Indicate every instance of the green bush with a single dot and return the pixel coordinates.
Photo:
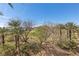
(33, 47)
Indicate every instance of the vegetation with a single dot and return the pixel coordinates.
(21, 38)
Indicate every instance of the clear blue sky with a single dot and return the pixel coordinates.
(40, 13)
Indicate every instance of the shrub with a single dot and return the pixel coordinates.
(68, 44)
(7, 50)
(28, 49)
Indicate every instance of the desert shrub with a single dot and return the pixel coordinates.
(24, 49)
(35, 48)
(68, 44)
(63, 44)
(72, 44)
(28, 49)
(7, 50)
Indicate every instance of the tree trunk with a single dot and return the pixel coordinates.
(60, 34)
(70, 35)
(67, 34)
(17, 45)
(3, 39)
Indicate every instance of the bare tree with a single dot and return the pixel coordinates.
(27, 28)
